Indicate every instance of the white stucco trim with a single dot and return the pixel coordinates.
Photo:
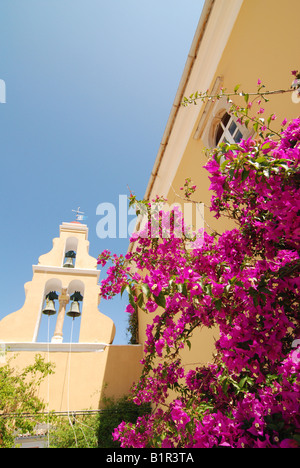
(73, 271)
(55, 347)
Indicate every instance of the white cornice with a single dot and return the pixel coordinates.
(67, 271)
(55, 347)
(73, 226)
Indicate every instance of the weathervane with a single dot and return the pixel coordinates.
(79, 214)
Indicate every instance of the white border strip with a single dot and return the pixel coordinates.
(55, 347)
(73, 271)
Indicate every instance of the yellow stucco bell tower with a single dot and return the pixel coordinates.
(67, 269)
(65, 287)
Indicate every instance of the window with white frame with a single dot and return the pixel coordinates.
(218, 125)
(228, 130)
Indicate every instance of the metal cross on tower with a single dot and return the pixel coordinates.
(79, 214)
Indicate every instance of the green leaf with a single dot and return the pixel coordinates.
(254, 295)
(132, 301)
(265, 290)
(182, 289)
(269, 119)
(218, 304)
(225, 386)
(255, 164)
(245, 174)
(284, 166)
(223, 165)
(160, 300)
(234, 147)
(242, 382)
(140, 300)
(127, 288)
(146, 290)
(123, 289)
(231, 173)
(261, 159)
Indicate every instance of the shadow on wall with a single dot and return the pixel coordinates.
(122, 370)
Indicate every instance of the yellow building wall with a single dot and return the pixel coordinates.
(81, 379)
(123, 369)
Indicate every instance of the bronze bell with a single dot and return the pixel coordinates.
(50, 307)
(69, 259)
(74, 310)
(69, 263)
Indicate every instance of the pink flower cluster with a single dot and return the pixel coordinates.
(246, 282)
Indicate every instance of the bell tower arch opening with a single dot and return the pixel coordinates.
(46, 323)
(70, 252)
(72, 323)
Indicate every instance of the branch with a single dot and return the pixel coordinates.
(194, 97)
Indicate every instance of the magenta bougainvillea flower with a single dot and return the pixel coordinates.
(245, 282)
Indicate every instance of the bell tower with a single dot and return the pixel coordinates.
(64, 295)
(64, 283)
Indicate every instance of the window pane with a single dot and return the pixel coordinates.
(238, 136)
(225, 119)
(219, 134)
(232, 127)
(227, 131)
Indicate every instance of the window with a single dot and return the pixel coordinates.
(227, 130)
(217, 125)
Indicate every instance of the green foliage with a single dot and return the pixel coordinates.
(94, 430)
(132, 328)
(75, 431)
(116, 411)
(18, 395)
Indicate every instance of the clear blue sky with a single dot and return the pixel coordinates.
(89, 88)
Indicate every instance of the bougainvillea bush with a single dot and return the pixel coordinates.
(244, 281)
